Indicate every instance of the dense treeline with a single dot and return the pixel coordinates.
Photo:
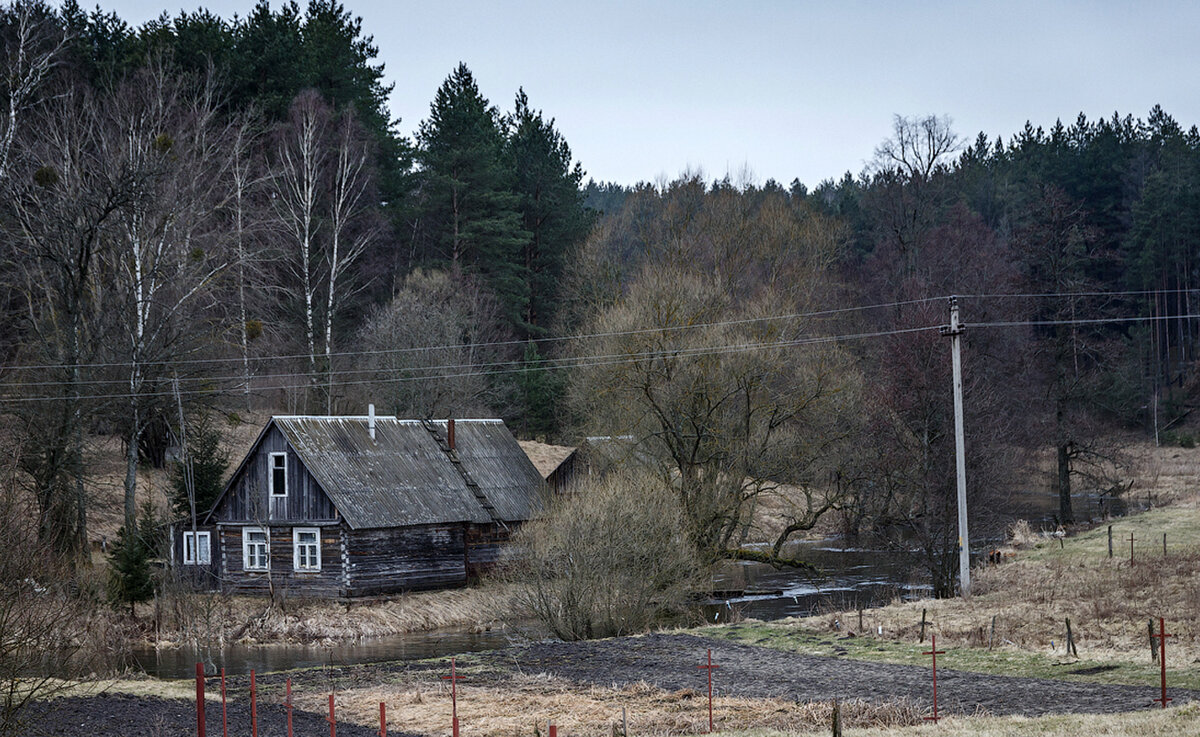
(204, 212)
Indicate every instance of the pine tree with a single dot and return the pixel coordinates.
(208, 464)
(551, 207)
(130, 580)
(469, 211)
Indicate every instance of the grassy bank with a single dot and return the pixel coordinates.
(1153, 723)
(214, 619)
(1015, 623)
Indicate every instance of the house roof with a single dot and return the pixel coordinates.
(405, 476)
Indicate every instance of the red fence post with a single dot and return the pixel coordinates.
(1162, 659)
(199, 699)
(253, 706)
(224, 708)
(454, 678)
(709, 668)
(332, 719)
(288, 707)
(934, 652)
(553, 729)
(382, 720)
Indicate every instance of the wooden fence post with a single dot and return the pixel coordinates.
(200, 700)
(922, 626)
(1110, 552)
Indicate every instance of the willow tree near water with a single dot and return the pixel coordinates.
(703, 353)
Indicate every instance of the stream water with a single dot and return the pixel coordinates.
(850, 577)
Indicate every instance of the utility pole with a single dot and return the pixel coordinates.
(964, 545)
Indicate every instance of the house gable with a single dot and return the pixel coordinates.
(248, 499)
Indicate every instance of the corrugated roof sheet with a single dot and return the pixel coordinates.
(494, 459)
(403, 477)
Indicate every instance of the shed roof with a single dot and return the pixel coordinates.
(404, 477)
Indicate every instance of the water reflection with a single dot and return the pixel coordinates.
(850, 577)
(241, 659)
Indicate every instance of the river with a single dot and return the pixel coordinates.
(851, 577)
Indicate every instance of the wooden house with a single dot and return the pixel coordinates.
(354, 506)
(595, 457)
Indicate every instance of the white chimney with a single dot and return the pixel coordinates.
(371, 420)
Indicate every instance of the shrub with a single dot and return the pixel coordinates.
(608, 559)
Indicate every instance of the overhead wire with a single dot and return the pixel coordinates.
(496, 368)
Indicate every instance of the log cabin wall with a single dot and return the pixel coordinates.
(249, 499)
(281, 576)
(390, 560)
(200, 577)
(486, 544)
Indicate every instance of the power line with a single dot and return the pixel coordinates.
(490, 344)
(553, 365)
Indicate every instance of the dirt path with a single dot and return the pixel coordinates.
(669, 662)
(665, 661)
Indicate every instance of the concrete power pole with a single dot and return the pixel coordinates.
(964, 544)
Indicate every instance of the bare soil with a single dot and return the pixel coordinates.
(667, 662)
(141, 716)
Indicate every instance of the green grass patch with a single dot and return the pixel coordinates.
(998, 661)
(1180, 524)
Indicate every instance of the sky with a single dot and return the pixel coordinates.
(644, 91)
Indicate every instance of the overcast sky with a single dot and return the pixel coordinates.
(781, 90)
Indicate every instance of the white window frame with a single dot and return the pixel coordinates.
(190, 549)
(296, 547)
(247, 544)
(271, 475)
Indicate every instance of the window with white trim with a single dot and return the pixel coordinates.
(255, 555)
(306, 548)
(197, 542)
(277, 474)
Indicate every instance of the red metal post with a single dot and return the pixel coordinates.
(287, 705)
(332, 720)
(224, 708)
(454, 678)
(253, 706)
(709, 668)
(382, 720)
(1162, 659)
(199, 699)
(934, 652)
(553, 729)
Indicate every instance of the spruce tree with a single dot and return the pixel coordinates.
(469, 212)
(551, 206)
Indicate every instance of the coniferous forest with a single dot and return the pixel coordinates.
(203, 215)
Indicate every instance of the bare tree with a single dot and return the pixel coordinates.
(65, 205)
(165, 256)
(350, 229)
(323, 201)
(431, 350)
(907, 174)
(299, 170)
(33, 41)
(612, 558)
(704, 358)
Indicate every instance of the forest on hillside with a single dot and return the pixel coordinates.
(203, 215)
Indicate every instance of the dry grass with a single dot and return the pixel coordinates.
(1108, 600)
(213, 619)
(523, 704)
(1153, 723)
(545, 457)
